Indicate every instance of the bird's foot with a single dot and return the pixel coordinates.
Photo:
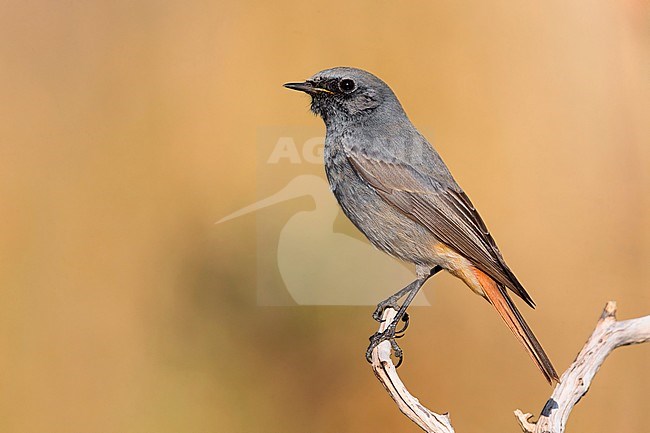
(383, 305)
(390, 334)
(390, 302)
(400, 332)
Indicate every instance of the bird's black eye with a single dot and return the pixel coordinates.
(347, 85)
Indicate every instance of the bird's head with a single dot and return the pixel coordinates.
(343, 95)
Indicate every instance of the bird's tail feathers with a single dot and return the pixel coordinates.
(498, 297)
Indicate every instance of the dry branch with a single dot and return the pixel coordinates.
(574, 383)
(410, 406)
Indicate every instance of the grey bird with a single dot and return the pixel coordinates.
(394, 187)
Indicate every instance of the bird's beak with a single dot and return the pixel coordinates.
(307, 87)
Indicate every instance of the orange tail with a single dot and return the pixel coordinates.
(499, 298)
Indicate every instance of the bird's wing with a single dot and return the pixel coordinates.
(445, 210)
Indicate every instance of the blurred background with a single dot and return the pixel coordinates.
(129, 127)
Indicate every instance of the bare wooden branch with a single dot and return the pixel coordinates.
(524, 421)
(574, 383)
(576, 380)
(410, 406)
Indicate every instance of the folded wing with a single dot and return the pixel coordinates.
(444, 210)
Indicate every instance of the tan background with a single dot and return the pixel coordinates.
(128, 128)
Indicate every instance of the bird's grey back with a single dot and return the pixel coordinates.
(396, 140)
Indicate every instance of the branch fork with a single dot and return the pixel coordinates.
(608, 335)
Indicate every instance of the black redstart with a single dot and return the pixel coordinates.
(392, 184)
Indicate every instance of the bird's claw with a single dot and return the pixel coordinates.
(382, 306)
(388, 335)
(406, 319)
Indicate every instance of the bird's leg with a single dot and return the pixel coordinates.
(390, 333)
(391, 301)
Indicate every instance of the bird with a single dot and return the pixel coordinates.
(395, 188)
